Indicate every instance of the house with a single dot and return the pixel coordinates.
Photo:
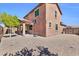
(71, 30)
(43, 20)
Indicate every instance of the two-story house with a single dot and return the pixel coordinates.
(44, 20)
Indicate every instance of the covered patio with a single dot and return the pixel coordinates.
(25, 27)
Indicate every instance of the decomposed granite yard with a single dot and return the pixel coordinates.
(64, 44)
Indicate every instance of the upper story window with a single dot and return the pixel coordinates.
(34, 21)
(37, 12)
(55, 14)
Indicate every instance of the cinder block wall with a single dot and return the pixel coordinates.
(71, 31)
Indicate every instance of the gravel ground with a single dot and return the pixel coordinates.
(64, 44)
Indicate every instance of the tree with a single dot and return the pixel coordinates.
(9, 21)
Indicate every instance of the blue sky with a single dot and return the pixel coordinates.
(70, 11)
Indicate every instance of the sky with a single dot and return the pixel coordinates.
(70, 11)
(70, 14)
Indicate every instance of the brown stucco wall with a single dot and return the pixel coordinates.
(42, 21)
(50, 8)
(39, 28)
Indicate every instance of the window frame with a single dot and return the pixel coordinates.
(49, 24)
(55, 14)
(56, 27)
(34, 21)
(36, 12)
(30, 27)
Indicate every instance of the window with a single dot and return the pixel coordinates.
(55, 14)
(34, 21)
(56, 26)
(49, 24)
(37, 12)
(30, 27)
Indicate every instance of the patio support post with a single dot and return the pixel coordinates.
(23, 29)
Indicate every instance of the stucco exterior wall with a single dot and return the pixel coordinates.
(50, 8)
(46, 15)
(39, 28)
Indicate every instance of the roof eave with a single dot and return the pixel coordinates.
(39, 5)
